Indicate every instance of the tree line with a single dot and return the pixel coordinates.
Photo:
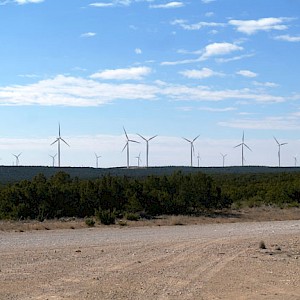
(189, 194)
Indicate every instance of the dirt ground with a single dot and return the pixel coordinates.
(202, 261)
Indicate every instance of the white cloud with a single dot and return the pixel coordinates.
(211, 50)
(217, 49)
(246, 73)
(239, 57)
(207, 1)
(101, 4)
(20, 2)
(88, 34)
(173, 4)
(265, 84)
(135, 73)
(200, 74)
(213, 109)
(288, 38)
(209, 14)
(76, 91)
(269, 123)
(265, 24)
(138, 51)
(197, 26)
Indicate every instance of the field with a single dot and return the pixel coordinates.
(204, 261)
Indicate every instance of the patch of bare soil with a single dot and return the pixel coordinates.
(204, 261)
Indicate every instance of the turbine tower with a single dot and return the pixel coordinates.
(242, 144)
(58, 143)
(295, 160)
(138, 159)
(53, 159)
(97, 159)
(127, 146)
(192, 147)
(279, 146)
(223, 157)
(147, 147)
(17, 158)
(198, 158)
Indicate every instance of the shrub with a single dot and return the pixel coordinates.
(106, 217)
(90, 222)
(132, 217)
(262, 245)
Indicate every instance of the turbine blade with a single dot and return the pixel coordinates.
(276, 140)
(196, 138)
(125, 146)
(133, 141)
(64, 141)
(142, 137)
(187, 140)
(125, 133)
(283, 144)
(248, 147)
(238, 145)
(55, 141)
(152, 137)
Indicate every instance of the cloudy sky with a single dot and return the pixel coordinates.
(214, 68)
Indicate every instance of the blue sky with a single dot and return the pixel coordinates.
(172, 68)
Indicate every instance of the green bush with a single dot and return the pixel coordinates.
(90, 222)
(132, 217)
(106, 217)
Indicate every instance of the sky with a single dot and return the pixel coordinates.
(176, 69)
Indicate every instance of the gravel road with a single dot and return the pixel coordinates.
(211, 261)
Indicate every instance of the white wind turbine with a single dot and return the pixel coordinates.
(243, 144)
(198, 158)
(147, 147)
(192, 147)
(97, 159)
(53, 159)
(223, 158)
(295, 160)
(138, 159)
(127, 146)
(279, 146)
(58, 144)
(17, 158)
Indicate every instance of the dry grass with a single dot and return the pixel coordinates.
(257, 214)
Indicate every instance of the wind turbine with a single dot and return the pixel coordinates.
(127, 146)
(97, 159)
(147, 147)
(58, 144)
(53, 159)
(17, 158)
(279, 146)
(198, 158)
(223, 156)
(138, 159)
(295, 160)
(243, 144)
(192, 147)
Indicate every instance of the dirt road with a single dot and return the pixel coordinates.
(212, 261)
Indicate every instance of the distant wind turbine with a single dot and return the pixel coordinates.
(242, 144)
(127, 146)
(138, 159)
(147, 147)
(17, 158)
(295, 160)
(192, 147)
(223, 157)
(53, 159)
(279, 146)
(58, 143)
(198, 158)
(97, 159)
